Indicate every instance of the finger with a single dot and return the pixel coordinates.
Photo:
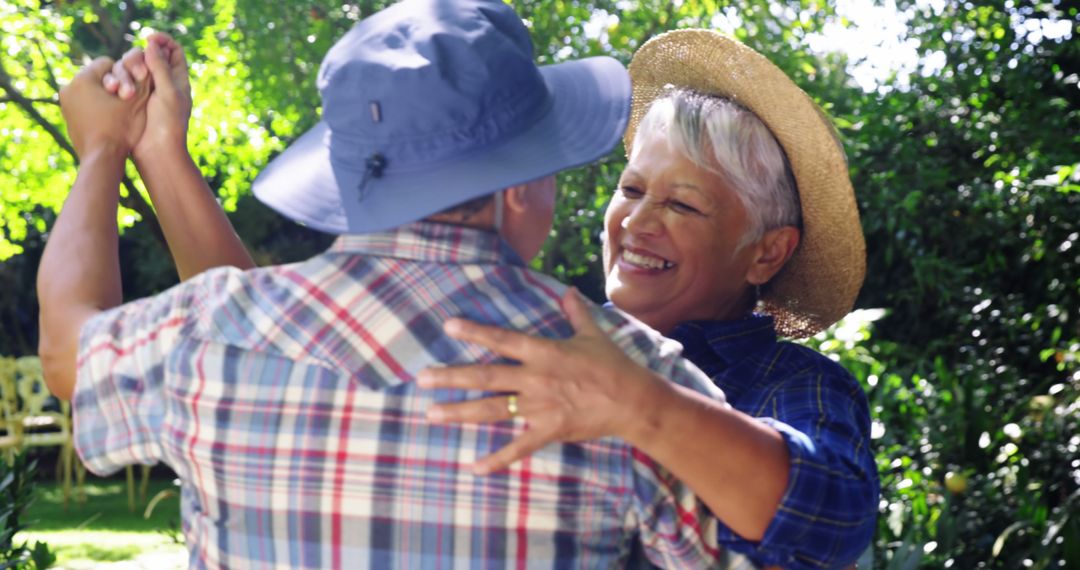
(490, 377)
(125, 83)
(521, 447)
(158, 63)
(577, 310)
(482, 411)
(171, 54)
(135, 63)
(162, 40)
(97, 68)
(503, 342)
(179, 67)
(111, 84)
(177, 59)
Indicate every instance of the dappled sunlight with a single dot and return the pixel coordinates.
(84, 535)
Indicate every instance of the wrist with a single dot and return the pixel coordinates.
(647, 399)
(171, 150)
(105, 152)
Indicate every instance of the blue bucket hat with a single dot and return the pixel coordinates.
(430, 103)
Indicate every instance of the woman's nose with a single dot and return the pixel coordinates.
(643, 219)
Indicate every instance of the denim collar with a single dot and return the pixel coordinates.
(729, 341)
(717, 346)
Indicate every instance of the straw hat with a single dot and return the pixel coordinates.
(818, 285)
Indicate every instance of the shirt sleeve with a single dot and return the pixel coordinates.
(675, 528)
(827, 516)
(118, 403)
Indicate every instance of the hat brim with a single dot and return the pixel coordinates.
(818, 285)
(588, 115)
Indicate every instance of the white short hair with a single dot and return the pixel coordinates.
(725, 138)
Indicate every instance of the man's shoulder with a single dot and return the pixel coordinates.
(633, 335)
(232, 295)
(651, 349)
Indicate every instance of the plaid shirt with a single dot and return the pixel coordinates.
(284, 399)
(828, 514)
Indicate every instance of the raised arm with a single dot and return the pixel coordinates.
(79, 274)
(199, 234)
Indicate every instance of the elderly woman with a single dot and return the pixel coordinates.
(733, 221)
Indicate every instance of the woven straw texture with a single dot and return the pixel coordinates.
(818, 285)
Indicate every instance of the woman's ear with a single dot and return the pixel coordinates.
(772, 251)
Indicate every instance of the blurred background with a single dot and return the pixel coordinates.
(961, 122)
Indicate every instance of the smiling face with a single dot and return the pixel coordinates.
(673, 233)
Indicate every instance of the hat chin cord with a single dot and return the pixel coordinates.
(498, 212)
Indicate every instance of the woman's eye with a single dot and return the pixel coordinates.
(630, 192)
(684, 208)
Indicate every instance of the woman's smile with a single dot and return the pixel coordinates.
(643, 261)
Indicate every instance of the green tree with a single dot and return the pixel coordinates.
(968, 184)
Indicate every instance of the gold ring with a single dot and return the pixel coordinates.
(511, 405)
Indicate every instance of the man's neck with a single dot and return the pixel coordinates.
(480, 220)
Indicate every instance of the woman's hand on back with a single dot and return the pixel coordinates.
(575, 389)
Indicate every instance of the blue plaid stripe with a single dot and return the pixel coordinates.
(828, 513)
(285, 403)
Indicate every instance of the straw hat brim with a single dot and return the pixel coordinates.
(818, 285)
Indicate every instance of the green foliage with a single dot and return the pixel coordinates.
(966, 183)
(16, 495)
(1016, 463)
(966, 175)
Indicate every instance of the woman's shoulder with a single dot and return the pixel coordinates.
(800, 371)
(799, 357)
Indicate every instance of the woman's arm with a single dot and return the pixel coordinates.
(585, 387)
(798, 492)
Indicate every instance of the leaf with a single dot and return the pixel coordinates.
(999, 543)
(41, 556)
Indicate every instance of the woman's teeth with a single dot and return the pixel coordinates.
(646, 261)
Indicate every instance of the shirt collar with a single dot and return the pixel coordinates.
(431, 242)
(728, 341)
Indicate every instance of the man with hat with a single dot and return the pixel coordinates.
(285, 397)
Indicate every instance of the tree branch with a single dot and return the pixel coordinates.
(27, 106)
(135, 201)
(105, 41)
(114, 35)
(46, 100)
(129, 16)
(48, 68)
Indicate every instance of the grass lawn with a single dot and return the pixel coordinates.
(103, 530)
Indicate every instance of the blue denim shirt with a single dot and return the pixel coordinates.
(828, 514)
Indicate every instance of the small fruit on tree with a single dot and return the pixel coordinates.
(956, 483)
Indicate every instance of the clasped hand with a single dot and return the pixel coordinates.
(138, 105)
